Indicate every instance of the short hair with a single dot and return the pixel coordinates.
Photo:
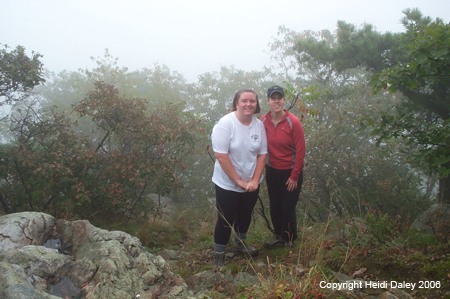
(238, 95)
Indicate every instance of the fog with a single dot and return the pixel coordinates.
(190, 37)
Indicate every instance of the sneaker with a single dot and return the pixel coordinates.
(275, 243)
(241, 248)
(219, 260)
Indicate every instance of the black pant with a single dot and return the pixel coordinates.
(234, 209)
(283, 202)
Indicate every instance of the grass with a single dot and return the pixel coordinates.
(385, 250)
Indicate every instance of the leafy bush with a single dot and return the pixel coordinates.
(52, 167)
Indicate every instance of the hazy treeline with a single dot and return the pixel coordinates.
(93, 143)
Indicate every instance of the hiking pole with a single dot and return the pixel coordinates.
(263, 214)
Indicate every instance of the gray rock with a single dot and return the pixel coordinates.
(208, 280)
(245, 279)
(169, 254)
(15, 283)
(400, 293)
(98, 263)
(27, 228)
(299, 271)
(36, 260)
(341, 277)
(261, 265)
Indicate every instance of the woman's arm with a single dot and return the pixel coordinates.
(298, 136)
(228, 168)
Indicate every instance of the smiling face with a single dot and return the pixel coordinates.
(276, 102)
(246, 104)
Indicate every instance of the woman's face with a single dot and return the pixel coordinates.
(246, 105)
(276, 102)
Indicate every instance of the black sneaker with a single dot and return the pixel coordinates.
(219, 260)
(275, 243)
(241, 248)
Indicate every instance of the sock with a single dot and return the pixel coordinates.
(240, 237)
(219, 248)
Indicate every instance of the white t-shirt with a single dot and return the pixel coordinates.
(242, 144)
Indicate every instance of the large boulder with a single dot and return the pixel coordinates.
(92, 262)
(28, 228)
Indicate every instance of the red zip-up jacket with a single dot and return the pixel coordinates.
(286, 143)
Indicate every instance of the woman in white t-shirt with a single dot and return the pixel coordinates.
(240, 146)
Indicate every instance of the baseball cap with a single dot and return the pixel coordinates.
(275, 89)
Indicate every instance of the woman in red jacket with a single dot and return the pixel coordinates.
(284, 168)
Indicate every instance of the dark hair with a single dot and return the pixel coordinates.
(238, 95)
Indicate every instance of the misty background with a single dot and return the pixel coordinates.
(190, 37)
(122, 103)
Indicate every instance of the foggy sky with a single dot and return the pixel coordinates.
(190, 37)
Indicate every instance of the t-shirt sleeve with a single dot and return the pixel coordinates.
(220, 137)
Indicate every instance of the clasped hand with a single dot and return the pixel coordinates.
(248, 187)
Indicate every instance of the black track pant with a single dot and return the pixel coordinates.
(283, 202)
(234, 209)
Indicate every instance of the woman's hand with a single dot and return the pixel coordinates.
(252, 186)
(291, 185)
(242, 184)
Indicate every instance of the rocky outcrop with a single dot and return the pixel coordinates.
(86, 261)
(28, 228)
